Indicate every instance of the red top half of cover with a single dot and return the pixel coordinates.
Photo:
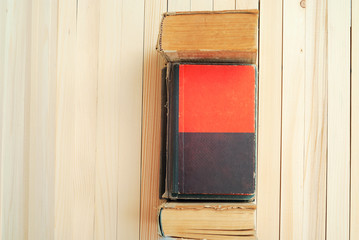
(217, 98)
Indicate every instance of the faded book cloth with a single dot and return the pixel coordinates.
(209, 131)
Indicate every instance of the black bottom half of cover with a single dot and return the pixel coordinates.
(216, 163)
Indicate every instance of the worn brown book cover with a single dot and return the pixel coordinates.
(212, 221)
(210, 131)
(228, 36)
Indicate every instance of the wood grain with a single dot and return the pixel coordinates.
(178, 5)
(269, 119)
(247, 4)
(151, 119)
(119, 122)
(3, 16)
(338, 169)
(354, 180)
(42, 120)
(65, 116)
(130, 104)
(201, 5)
(76, 119)
(291, 220)
(224, 5)
(83, 202)
(108, 120)
(316, 122)
(16, 75)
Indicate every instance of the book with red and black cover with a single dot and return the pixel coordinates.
(210, 130)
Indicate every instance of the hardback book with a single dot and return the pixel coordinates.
(210, 148)
(211, 221)
(228, 36)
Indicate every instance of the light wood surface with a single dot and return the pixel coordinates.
(3, 5)
(15, 77)
(108, 123)
(76, 119)
(201, 5)
(224, 5)
(338, 169)
(119, 120)
(80, 118)
(354, 154)
(269, 120)
(83, 162)
(247, 4)
(178, 6)
(65, 110)
(291, 219)
(58, 71)
(42, 120)
(315, 121)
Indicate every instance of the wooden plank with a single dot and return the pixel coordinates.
(201, 5)
(247, 4)
(291, 220)
(178, 5)
(269, 127)
(119, 120)
(108, 120)
(338, 168)
(83, 205)
(76, 119)
(151, 115)
(65, 116)
(42, 119)
(15, 118)
(316, 103)
(130, 104)
(3, 17)
(354, 181)
(224, 5)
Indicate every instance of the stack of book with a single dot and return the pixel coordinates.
(209, 124)
(208, 220)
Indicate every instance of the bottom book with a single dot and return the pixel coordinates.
(211, 221)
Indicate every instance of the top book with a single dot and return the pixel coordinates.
(218, 36)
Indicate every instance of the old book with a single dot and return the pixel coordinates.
(229, 36)
(210, 148)
(211, 221)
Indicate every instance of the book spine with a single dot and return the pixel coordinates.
(164, 113)
(160, 229)
(172, 130)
